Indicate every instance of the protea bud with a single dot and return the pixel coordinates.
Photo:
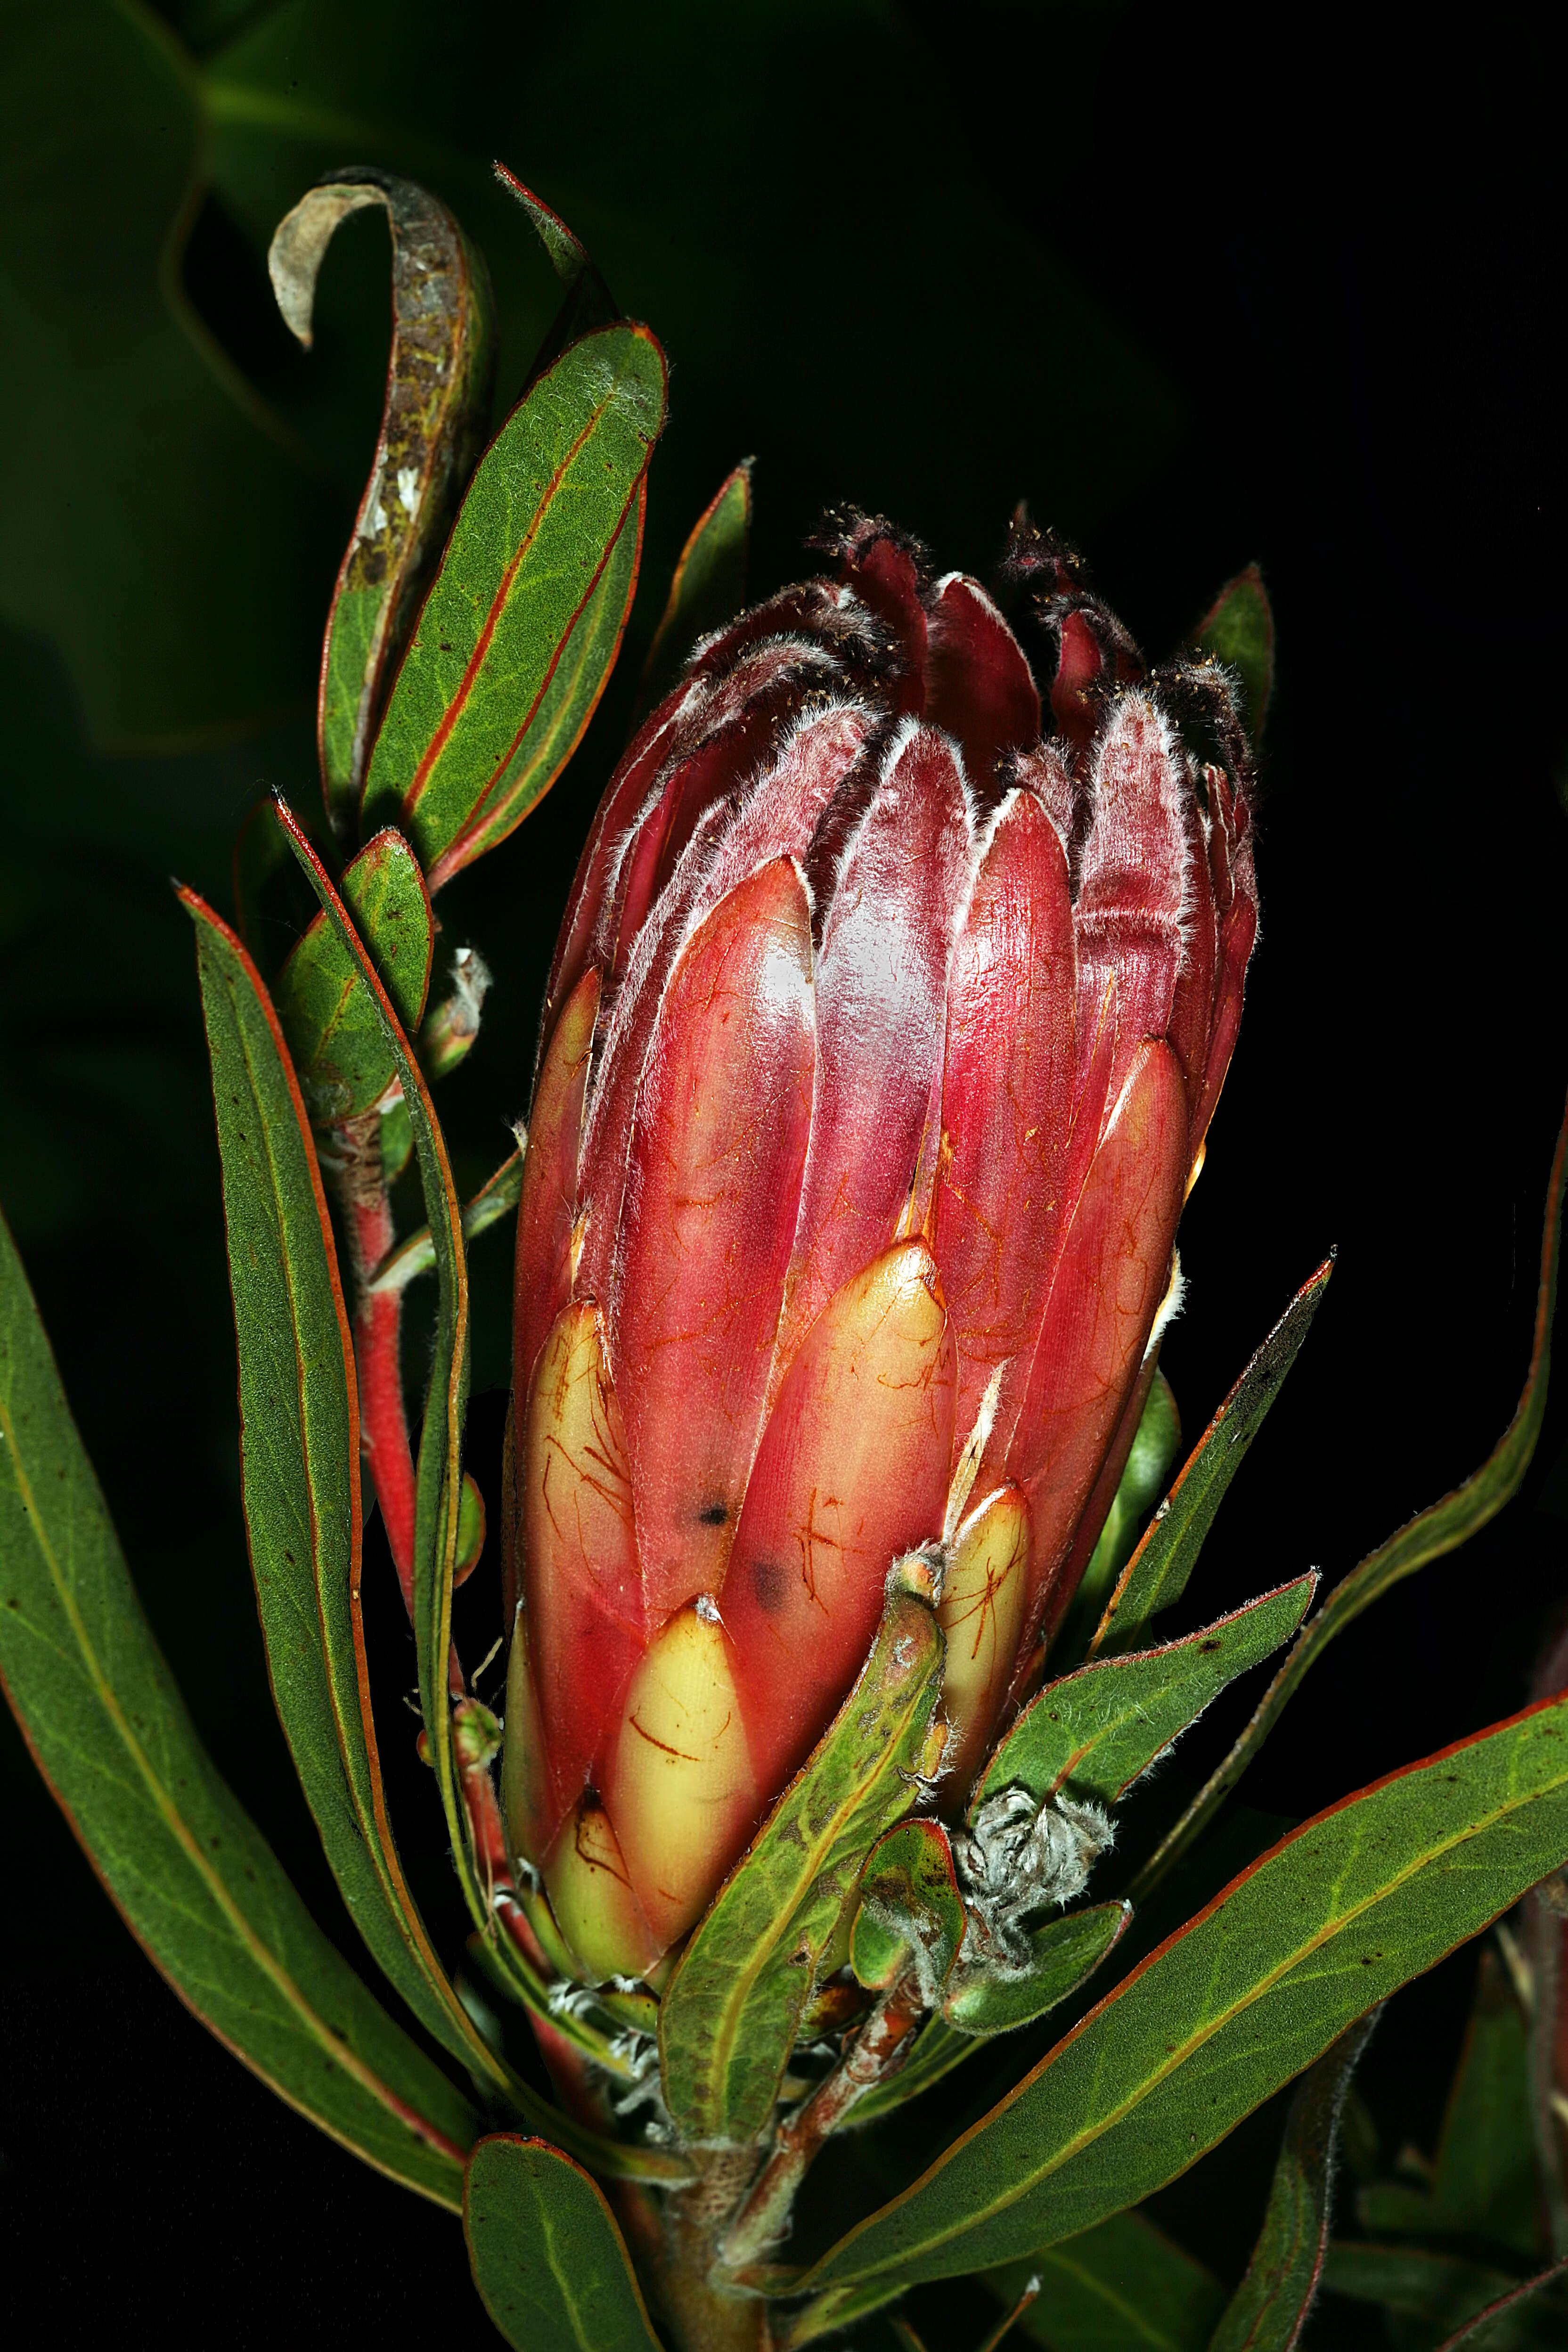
(880, 1044)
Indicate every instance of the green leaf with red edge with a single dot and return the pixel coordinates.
(910, 1909)
(330, 1020)
(1137, 1492)
(1440, 1528)
(194, 1879)
(1483, 2328)
(588, 302)
(300, 1445)
(1099, 1729)
(1450, 2291)
(567, 703)
(1156, 1575)
(709, 583)
(1228, 2010)
(440, 1466)
(1270, 2308)
(548, 2257)
(1238, 630)
(439, 378)
(532, 542)
(1121, 2287)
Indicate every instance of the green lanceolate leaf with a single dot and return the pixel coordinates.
(1064, 1951)
(1484, 2183)
(708, 586)
(1228, 2010)
(440, 1467)
(532, 542)
(588, 302)
(196, 1882)
(1120, 2287)
(1441, 1529)
(496, 1198)
(328, 1017)
(1490, 2327)
(1157, 1573)
(273, 902)
(1269, 2309)
(728, 2018)
(912, 1913)
(550, 2264)
(438, 384)
(1238, 630)
(1148, 1464)
(1449, 2292)
(299, 1453)
(1097, 1731)
(567, 703)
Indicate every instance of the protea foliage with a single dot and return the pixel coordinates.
(890, 1010)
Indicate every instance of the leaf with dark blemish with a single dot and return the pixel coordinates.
(439, 387)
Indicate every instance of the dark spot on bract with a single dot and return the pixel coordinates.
(713, 1515)
(769, 1582)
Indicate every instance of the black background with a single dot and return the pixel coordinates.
(1203, 287)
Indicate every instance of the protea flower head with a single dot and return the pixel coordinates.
(882, 1036)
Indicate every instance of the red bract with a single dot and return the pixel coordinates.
(880, 1049)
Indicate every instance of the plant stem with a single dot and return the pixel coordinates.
(361, 1186)
(705, 2313)
(877, 2050)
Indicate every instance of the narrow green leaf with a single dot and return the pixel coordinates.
(299, 1454)
(438, 384)
(1121, 2287)
(1244, 1996)
(569, 700)
(272, 901)
(194, 1881)
(1269, 2309)
(1238, 630)
(1489, 2327)
(1484, 2184)
(1157, 1573)
(1441, 1529)
(588, 302)
(1098, 1730)
(1148, 1464)
(1064, 1950)
(1448, 2291)
(497, 1197)
(709, 583)
(440, 1467)
(835, 2312)
(334, 1033)
(728, 2017)
(532, 543)
(548, 2259)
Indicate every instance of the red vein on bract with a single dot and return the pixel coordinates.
(439, 741)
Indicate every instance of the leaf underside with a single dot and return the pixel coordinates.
(549, 2262)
